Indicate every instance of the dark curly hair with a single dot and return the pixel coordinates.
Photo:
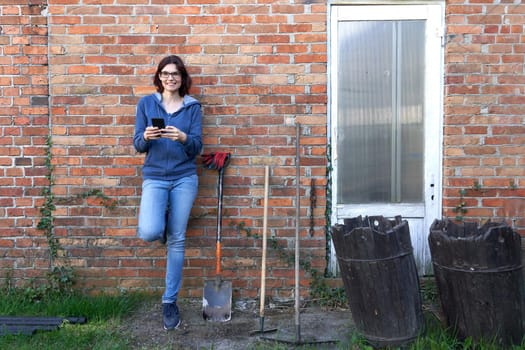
(185, 84)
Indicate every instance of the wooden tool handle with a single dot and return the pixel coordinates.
(265, 225)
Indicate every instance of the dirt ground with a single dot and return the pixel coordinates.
(319, 328)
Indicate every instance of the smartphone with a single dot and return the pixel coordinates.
(158, 122)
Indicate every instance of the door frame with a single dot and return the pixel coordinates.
(433, 12)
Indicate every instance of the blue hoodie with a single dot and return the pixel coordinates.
(167, 159)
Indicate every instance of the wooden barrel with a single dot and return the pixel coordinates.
(380, 278)
(478, 272)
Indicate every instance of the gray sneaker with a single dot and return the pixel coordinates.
(170, 316)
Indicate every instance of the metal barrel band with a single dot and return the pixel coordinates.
(392, 340)
(383, 341)
(456, 269)
(374, 260)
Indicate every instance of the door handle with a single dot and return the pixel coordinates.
(432, 188)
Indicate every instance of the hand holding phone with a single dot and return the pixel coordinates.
(174, 134)
(158, 122)
(154, 132)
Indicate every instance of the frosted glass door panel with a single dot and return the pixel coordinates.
(380, 111)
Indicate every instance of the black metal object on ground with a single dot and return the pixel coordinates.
(380, 278)
(478, 272)
(28, 325)
(291, 339)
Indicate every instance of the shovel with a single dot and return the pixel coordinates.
(217, 295)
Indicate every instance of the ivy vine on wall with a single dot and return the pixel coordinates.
(61, 275)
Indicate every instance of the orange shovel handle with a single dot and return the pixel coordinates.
(218, 258)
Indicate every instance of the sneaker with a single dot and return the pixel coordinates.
(170, 316)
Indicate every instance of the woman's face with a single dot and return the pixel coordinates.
(170, 78)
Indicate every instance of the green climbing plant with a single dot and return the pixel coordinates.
(319, 287)
(320, 290)
(476, 186)
(61, 276)
(46, 211)
(328, 208)
(241, 227)
(104, 200)
(324, 294)
(460, 209)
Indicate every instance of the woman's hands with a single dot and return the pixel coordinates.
(152, 133)
(174, 134)
(170, 132)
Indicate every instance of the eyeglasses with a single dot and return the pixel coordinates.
(166, 75)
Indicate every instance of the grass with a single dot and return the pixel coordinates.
(435, 337)
(104, 328)
(104, 314)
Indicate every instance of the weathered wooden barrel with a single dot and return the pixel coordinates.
(379, 274)
(478, 272)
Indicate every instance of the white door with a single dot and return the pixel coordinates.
(386, 116)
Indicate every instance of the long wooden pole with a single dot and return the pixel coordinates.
(263, 262)
(297, 225)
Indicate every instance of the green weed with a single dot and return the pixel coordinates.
(103, 313)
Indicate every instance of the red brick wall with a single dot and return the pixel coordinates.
(24, 127)
(257, 68)
(484, 143)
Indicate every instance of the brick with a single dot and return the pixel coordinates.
(255, 68)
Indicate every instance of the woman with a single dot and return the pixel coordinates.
(169, 173)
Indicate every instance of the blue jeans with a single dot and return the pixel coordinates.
(176, 196)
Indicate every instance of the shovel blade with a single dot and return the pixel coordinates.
(217, 301)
